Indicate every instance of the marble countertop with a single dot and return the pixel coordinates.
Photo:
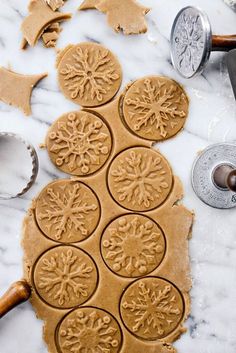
(212, 118)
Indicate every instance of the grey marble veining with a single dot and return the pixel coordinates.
(212, 118)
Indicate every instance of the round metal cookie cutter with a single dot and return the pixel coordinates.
(19, 166)
(192, 41)
(214, 175)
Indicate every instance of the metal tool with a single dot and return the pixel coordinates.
(214, 176)
(231, 63)
(192, 42)
(231, 4)
(18, 166)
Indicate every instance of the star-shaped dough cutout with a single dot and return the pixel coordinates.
(125, 15)
(16, 89)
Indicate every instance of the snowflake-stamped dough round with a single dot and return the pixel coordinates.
(155, 108)
(133, 245)
(89, 330)
(67, 211)
(140, 179)
(151, 308)
(65, 277)
(79, 143)
(89, 74)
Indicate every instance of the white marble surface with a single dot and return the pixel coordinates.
(212, 118)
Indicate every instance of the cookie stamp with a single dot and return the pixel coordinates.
(67, 211)
(79, 143)
(151, 308)
(89, 74)
(140, 179)
(65, 277)
(133, 245)
(155, 108)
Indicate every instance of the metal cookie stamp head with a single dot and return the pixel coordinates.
(190, 41)
(214, 176)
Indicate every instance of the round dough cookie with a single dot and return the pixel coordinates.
(65, 277)
(133, 245)
(155, 108)
(140, 179)
(151, 308)
(67, 211)
(79, 143)
(89, 74)
(89, 329)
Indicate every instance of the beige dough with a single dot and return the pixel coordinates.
(55, 4)
(122, 15)
(16, 89)
(79, 143)
(140, 179)
(88, 74)
(74, 221)
(155, 108)
(106, 252)
(91, 262)
(51, 35)
(40, 17)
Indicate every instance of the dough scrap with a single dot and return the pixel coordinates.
(89, 4)
(55, 4)
(16, 89)
(40, 17)
(122, 15)
(51, 35)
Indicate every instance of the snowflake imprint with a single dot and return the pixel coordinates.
(79, 143)
(67, 211)
(91, 74)
(65, 277)
(133, 245)
(154, 108)
(89, 330)
(152, 308)
(189, 41)
(140, 179)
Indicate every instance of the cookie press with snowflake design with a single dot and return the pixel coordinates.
(192, 42)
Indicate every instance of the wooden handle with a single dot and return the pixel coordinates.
(225, 177)
(231, 180)
(18, 293)
(223, 43)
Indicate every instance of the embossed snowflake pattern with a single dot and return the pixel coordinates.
(133, 246)
(156, 107)
(153, 310)
(189, 43)
(64, 277)
(91, 74)
(89, 330)
(141, 179)
(65, 214)
(80, 143)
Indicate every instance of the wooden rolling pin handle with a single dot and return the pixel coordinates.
(223, 43)
(18, 293)
(231, 180)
